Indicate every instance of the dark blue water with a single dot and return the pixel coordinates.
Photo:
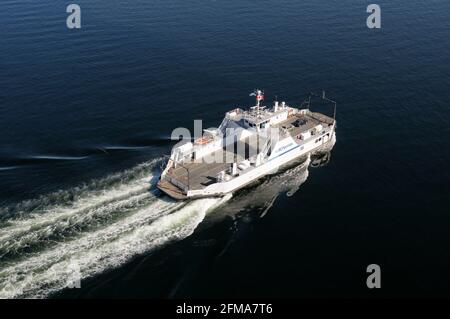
(86, 117)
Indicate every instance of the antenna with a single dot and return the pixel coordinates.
(331, 101)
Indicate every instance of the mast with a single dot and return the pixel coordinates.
(259, 94)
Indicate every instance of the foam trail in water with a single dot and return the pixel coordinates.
(95, 192)
(13, 241)
(162, 221)
(46, 210)
(58, 158)
(52, 218)
(78, 210)
(7, 168)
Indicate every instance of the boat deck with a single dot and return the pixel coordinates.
(197, 176)
(307, 122)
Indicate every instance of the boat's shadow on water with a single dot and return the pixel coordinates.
(258, 197)
(256, 200)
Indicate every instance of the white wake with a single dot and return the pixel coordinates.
(121, 218)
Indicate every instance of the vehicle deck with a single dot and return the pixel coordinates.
(198, 175)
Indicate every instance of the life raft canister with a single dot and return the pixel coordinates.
(202, 141)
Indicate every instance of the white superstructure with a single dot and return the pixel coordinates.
(246, 146)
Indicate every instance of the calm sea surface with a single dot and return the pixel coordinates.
(86, 117)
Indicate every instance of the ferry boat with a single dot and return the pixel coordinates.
(247, 145)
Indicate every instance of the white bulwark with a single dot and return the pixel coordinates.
(246, 146)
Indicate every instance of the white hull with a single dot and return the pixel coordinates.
(270, 167)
